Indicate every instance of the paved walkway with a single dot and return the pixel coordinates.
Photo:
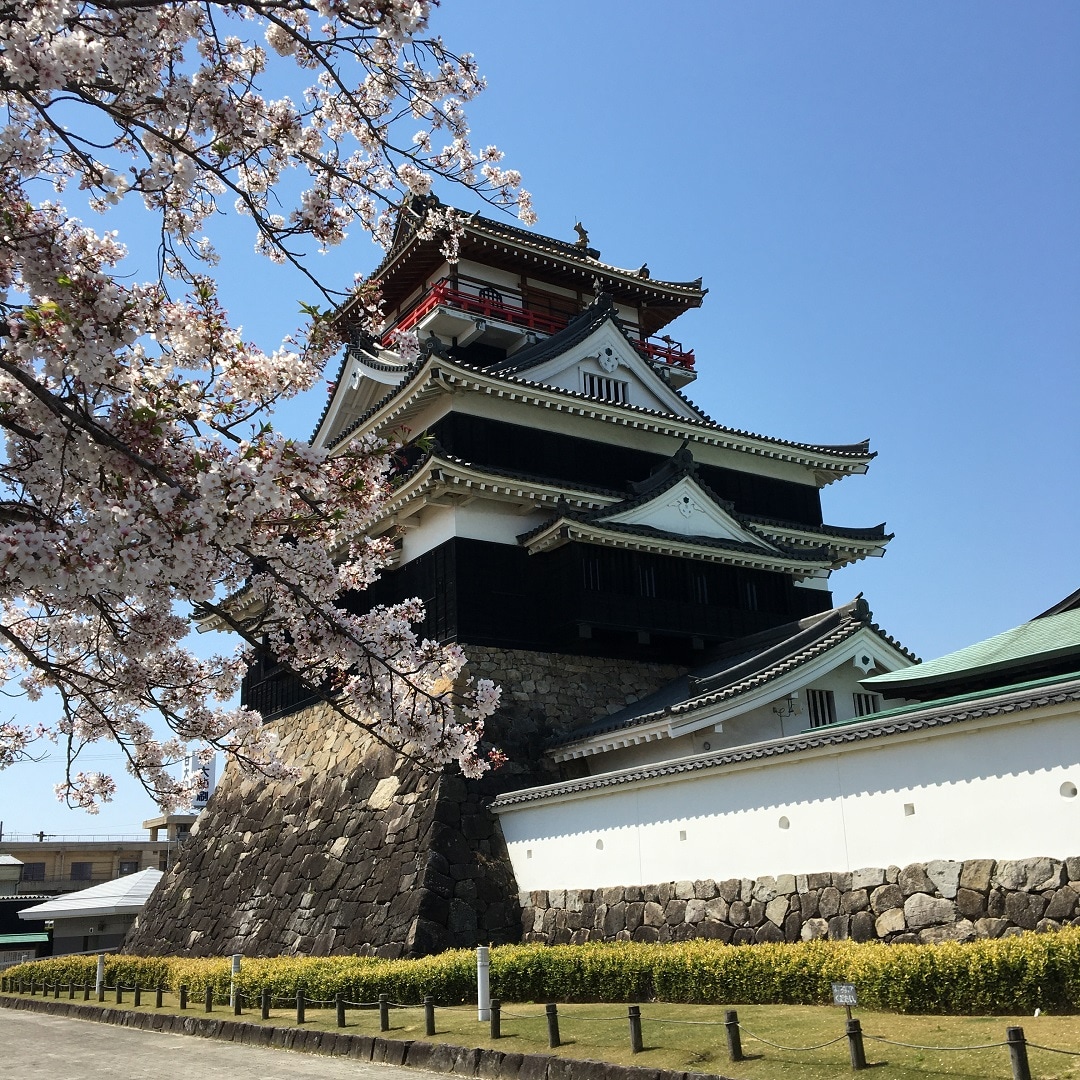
(34, 1044)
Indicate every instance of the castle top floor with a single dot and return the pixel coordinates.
(508, 288)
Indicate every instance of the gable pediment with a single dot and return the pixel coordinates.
(605, 365)
(685, 509)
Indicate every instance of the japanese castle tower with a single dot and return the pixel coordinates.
(572, 518)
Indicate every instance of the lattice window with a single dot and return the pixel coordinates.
(865, 704)
(600, 386)
(821, 707)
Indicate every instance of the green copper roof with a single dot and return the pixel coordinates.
(1041, 639)
(23, 939)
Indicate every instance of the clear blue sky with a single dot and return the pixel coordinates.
(884, 202)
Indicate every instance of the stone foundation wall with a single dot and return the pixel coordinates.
(365, 853)
(924, 902)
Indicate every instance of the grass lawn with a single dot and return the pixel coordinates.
(692, 1037)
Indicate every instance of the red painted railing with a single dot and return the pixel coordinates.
(441, 294)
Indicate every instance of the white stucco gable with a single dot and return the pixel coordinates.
(686, 510)
(606, 365)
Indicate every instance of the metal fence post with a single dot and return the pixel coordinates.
(855, 1044)
(634, 1014)
(86, 992)
(1014, 1036)
(56, 989)
(238, 1002)
(99, 979)
(339, 1006)
(119, 992)
(265, 1002)
(734, 1039)
(138, 995)
(182, 991)
(158, 996)
(552, 1011)
(483, 983)
(208, 1004)
(496, 1018)
(429, 1015)
(300, 1005)
(384, 1012)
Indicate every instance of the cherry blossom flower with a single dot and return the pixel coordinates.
(141, 483)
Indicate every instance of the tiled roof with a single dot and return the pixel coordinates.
(1049, 637)
(121, 896)
(1008, 701)
(745, 665)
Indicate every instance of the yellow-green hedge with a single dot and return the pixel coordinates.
(1009, 975)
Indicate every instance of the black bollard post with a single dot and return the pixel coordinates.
(86, 992)
(1018, 1057)
(101, 991)
(238, 1003)
(138, 996)
(552, 1011)
(119, 992)
(384, 1012)
(299, 1005)
(158, 996)
(264, 1001)
(208, 1002)
(182, 990)
(734, 1039)
(634, 1013)
(339, 1005)
(496, 1018)
(429, 1016)
(71, 990)
(56, 989)
(855, 1044)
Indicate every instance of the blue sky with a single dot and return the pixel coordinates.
(884, 202)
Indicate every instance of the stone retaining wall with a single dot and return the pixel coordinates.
(416, 1054)
(923, 902)
(364, 853)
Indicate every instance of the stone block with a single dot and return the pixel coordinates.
(1031, 875)
(813, 929)
(729, 889)
(946, 877)
(684, 890)
(1063, 904)
(886, 898)
(1047, 926)
(614, 919)
(962, 930)
(922, 910)
(717, 908)
(840, 928)
(653, 915)
(977, 874)
(913, 879)
(634, 915)
(776, 910)
(808, 903)
(764, 889)
(738, 913)
(1024, 909)
(705, 889)
(792, 926)
(863, 927)
(990, 928)
(971, 904)
(768, 932)
(695, 911)
(855, 900)
(715, 930)
(646, 933)
(995, 904)
(743, 936)
(1072, 868)
(675, 912)
(867, 878)
(785, 884)
(755, 915)
(829, 902)
(890, 922)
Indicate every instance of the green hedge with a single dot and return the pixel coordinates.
(1010, 975)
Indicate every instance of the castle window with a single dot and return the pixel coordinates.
(821, 706)
(646, 579)
(600, 386)
(865, 704)
(591, 577)
(699, 587)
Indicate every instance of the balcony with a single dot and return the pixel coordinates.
(468, 310)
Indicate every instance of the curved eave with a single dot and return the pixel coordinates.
(564, 531)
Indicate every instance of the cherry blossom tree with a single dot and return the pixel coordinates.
(142, 483)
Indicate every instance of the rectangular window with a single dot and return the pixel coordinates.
(699, 587)
(821, 706)
(646, 580)
(866, 704)
(82, 871)
(128, 866)
(600, 386)
(33, 871)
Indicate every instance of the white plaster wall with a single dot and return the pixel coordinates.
(981, 789)
(489, 520)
